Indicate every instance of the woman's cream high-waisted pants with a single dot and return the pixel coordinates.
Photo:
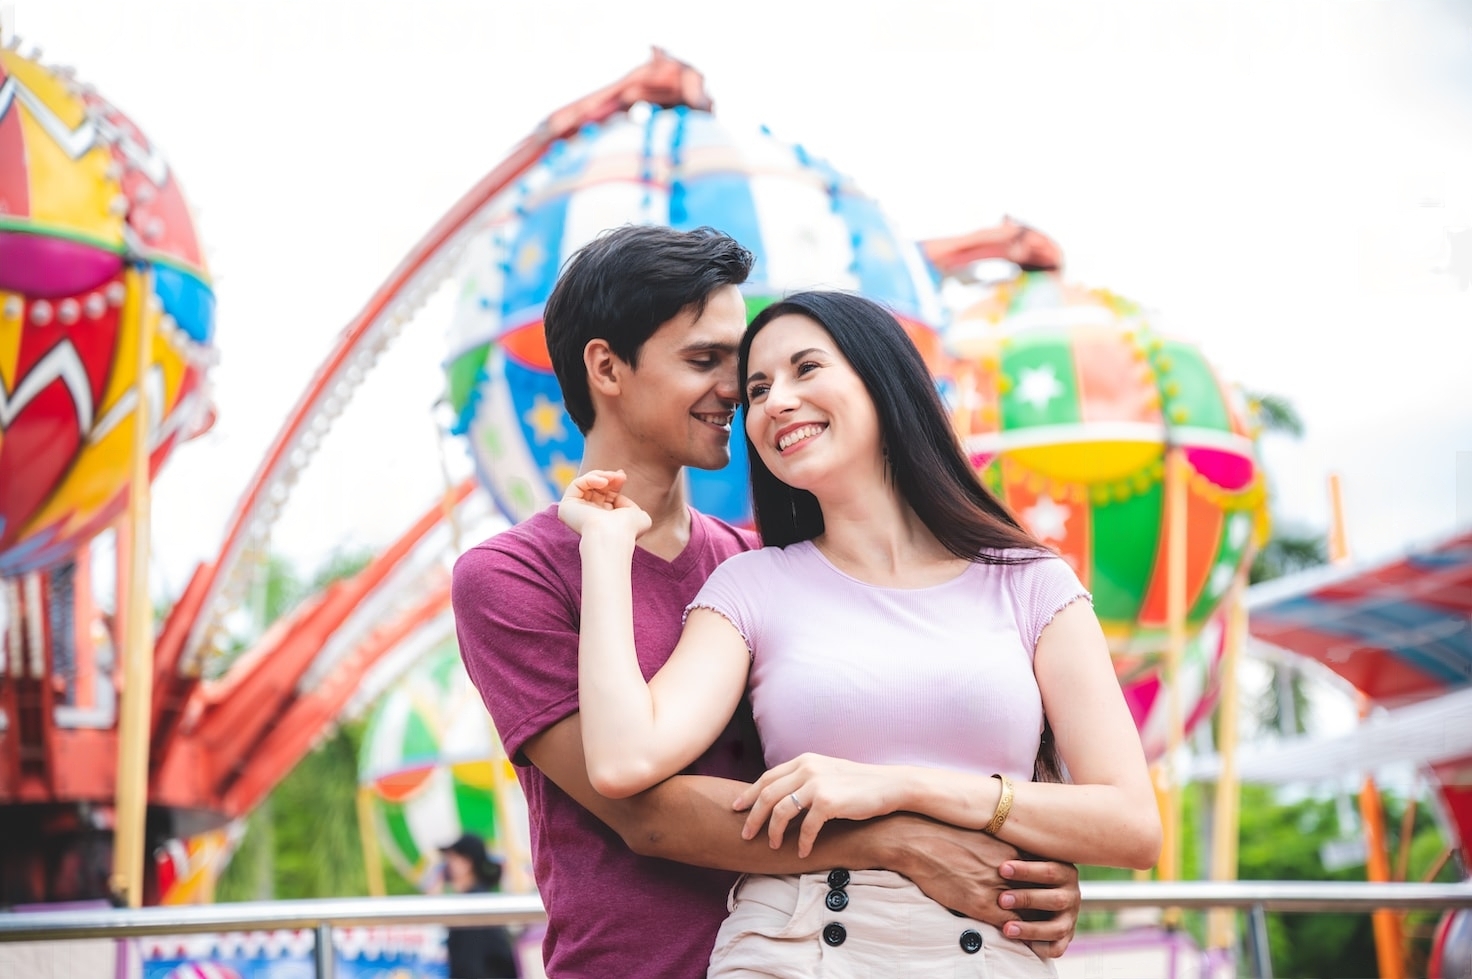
(862, 924)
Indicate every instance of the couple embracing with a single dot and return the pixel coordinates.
(812, 752)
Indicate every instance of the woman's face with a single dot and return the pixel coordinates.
(459, 871)
(810, 416)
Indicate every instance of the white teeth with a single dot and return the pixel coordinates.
(797, 435)
(720, 421)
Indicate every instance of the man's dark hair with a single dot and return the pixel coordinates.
(622, 286)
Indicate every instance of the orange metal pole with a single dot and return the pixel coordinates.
(1170, 857)
(1389, 939)
(1221, 922)
(1338, 533)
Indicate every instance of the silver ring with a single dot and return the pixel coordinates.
(800, 806)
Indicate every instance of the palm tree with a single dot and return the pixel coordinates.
(1284, 705)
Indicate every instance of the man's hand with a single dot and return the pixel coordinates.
(954, 867)
(1048, 902)
(986, 879)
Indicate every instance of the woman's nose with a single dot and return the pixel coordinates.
(779, 400)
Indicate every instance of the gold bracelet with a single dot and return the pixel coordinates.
(1004, 806)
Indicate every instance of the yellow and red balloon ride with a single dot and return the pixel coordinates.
(98, 256)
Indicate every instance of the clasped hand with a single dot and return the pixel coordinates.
(593, 503)
(827, 788)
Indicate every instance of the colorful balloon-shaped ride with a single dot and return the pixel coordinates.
(96, 241)
(807, 224)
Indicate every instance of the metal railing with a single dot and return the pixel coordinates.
(1256, 897)
(1340, 897)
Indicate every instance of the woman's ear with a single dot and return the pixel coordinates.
(603, 367)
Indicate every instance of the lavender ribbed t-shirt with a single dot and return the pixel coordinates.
(939, 676)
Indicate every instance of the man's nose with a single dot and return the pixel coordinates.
(727, 388)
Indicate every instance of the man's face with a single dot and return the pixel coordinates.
(678, 403)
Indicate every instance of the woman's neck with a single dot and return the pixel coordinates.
(880, 539)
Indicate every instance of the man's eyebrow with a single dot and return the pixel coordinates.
(711, 346)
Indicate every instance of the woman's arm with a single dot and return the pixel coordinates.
(689, 819)
(1106, 816)
(637, 734)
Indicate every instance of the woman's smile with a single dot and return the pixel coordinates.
(794, 436)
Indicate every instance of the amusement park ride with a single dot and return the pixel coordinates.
(1116, 445)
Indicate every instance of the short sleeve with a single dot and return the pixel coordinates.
(518, 638)
(1042, 589)
(730, 592)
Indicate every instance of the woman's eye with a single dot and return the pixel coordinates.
(755, 391)
(805, 367)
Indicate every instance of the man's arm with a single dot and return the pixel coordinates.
(689, 819)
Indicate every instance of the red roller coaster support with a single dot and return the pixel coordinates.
(1027, 247)
(189, 630)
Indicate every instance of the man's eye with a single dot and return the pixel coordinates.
(708, 363)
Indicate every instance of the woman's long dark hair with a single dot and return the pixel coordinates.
(926, 462)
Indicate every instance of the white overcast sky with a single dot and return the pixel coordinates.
(1279, 180)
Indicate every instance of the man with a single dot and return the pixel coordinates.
(643, 329)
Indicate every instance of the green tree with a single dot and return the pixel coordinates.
(1285, 705)
(1283, 839)
(319, 852)
(276, 589)
(303, 840)
(1287, 551)
(1275, 413)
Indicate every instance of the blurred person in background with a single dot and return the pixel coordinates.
(483, 951)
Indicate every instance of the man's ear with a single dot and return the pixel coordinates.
(605, 368)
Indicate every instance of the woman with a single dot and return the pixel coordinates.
(903, 639)
(477, 952)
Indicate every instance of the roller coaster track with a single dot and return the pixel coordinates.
(189, 638)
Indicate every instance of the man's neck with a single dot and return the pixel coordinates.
(657, 487)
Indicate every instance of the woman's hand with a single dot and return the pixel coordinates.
(593, 503)
(825, 788)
